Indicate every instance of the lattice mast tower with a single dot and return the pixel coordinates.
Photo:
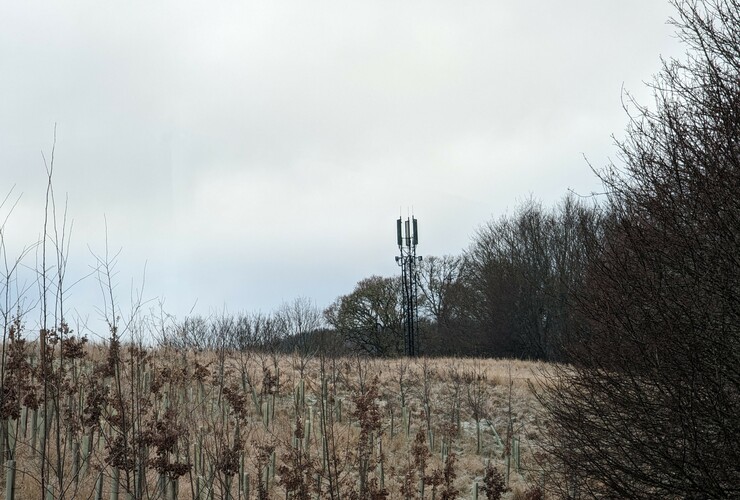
(407, 235)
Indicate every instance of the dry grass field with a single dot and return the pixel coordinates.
(173, 424)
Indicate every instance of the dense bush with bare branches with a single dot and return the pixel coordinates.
(650, 408)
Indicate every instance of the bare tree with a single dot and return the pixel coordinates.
(650, 407)
(437, 276)
(521, 274)
(438, 279)
(299, 320)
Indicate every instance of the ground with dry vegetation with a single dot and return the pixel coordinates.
(176, 424)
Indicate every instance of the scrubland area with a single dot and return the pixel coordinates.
(125, 422)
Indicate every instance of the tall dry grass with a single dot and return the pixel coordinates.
(160, 423)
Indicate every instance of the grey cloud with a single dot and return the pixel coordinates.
(202, 131)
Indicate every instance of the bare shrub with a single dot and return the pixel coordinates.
(649, 407)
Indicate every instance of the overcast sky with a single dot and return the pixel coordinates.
(252, 152)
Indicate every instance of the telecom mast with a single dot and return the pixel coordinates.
(407, 235)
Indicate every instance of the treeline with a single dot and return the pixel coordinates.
(294, 326)
(510, 294)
